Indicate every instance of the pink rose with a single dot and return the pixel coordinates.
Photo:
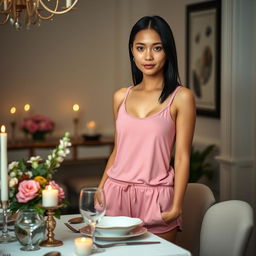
(27, 190)
(60, 189)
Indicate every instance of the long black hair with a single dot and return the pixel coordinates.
(171, 73)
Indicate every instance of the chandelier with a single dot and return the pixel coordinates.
(32, 12)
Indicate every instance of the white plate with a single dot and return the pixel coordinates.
(117, 225)
(138, 231)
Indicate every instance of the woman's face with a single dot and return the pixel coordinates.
(148, 52)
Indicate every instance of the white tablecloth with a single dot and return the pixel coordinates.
(165, 248)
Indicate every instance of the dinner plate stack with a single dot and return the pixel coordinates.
(117, 228)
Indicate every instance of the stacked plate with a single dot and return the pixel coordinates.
(117, 228)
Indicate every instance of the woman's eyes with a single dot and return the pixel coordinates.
(156, 48)
(140, 48)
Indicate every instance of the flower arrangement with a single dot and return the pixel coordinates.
(29, 178)
(37, 125)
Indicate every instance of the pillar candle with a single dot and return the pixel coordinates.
(50, 197)
(4, 172)
(91, 128)
(83, 246)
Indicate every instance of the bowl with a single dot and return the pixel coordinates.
(91, 137)
(117, 225)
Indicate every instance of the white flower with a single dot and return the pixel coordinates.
(61, 153)
(34, 165)
(29, 174)
(13, 182)
(60, 159)
(67, 151)
(12, 165)
(12, 174)
(34, 159)
(48, 163)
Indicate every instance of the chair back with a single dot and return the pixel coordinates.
(198, 198)
(226, 229)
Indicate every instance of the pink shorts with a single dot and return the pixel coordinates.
(141, 201)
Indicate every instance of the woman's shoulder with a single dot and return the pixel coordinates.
(119, 95)
(184, 95)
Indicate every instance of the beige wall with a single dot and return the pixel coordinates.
(82, 57)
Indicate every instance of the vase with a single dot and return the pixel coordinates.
(38, 136)
(29, 229)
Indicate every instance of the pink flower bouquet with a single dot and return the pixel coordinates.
(28, 178)
(37, 124)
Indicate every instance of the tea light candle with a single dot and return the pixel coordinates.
(4, 173)
(50, 197)
(83, 246)
(91, 128)
(68, 3)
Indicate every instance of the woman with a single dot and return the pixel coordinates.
(151, 117)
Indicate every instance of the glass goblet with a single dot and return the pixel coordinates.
(29, 229)
(92, 205)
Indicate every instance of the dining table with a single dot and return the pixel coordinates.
(164, 248)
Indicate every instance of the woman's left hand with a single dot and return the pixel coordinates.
(171, 215)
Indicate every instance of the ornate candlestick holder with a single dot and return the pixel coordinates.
(13, 125)
(50, 226)
(75, 122)
(5, 237)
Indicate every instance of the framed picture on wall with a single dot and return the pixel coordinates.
(203, 56)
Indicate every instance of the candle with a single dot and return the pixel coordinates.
(91, 128)
(68, 3)
(27, 107)
(76, 108)
(83, 246)
(12, 110)
(50, 196)
(4, 173)
(5, 5)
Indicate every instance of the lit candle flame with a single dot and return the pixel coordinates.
(3, 129)
(49, 187)
(76, 107)
(27, 107)
(13, 110)
(91, 124)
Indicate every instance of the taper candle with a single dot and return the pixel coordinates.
(4, 173)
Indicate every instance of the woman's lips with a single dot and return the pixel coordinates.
(149, 66)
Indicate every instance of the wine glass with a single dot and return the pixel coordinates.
(92, 205)
(29, 229)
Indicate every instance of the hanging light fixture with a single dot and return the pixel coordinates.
(31, 12)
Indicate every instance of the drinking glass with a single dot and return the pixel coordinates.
(92, 205)
(29, 229)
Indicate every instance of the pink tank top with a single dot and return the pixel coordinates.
(144, 146)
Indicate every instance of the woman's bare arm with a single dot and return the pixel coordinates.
(185, 124)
